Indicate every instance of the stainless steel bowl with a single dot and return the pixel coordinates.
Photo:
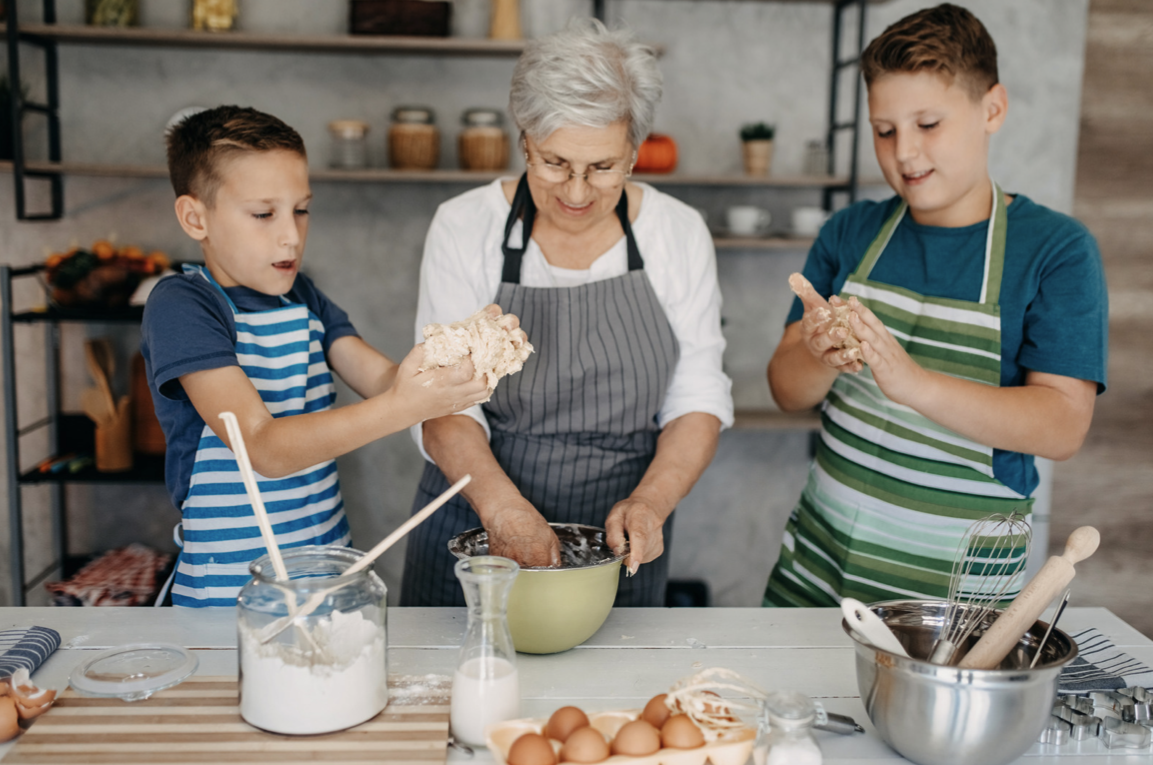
(936, 715)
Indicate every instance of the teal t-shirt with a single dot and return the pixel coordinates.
(1054, 305)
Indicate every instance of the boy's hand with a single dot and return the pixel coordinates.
(816, 336)
(437, 392)
(897, 375)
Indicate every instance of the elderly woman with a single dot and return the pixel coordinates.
(617, 414)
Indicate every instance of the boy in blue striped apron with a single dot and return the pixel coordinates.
(248, 333)
(982, 320)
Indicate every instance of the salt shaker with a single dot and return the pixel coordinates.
(486, 687)
(789, 717)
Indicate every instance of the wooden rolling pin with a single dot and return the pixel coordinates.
(1027, 607)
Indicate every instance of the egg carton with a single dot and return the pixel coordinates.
(734, 747)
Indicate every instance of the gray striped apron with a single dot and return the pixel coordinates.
(891, 493)
(576, 429)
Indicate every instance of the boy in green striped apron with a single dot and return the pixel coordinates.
(248, 333)
(982, 320)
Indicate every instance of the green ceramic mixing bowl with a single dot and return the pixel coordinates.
(554, 609)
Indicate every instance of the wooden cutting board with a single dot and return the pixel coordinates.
(199, 721)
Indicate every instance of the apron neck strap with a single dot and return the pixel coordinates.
(524, 209)
(192, 268)
(994, 246)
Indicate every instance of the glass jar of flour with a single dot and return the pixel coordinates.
(305, 673)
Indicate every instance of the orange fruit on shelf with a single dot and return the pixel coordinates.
(158, 259)
(133, 252)
(103, 249)
(54, 260)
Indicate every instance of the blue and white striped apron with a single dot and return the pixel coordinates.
(281, 351)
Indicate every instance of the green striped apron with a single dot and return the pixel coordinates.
(891, 493)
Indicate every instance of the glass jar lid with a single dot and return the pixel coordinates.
(348, 128)
(135, 671)
(790, 709)
(419, 115)
(482, 118)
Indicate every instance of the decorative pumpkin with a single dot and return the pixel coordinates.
(658, 154)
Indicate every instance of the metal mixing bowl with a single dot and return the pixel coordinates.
(937, 715)
(554, 609)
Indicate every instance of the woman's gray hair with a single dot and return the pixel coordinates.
(585, 75)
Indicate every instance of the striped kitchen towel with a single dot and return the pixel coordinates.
(1101, 666)
(26, 649)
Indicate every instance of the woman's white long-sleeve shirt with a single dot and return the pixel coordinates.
(461, 272)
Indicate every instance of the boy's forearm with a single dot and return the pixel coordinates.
(796, 379)
(286, 445)
(1047, 417)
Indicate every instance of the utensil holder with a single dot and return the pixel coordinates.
(483, 148)
(114, 440)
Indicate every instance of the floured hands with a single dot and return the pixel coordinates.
(437, 392)
(521, 533)
(642, 524)
(818, 333)
(896, 374)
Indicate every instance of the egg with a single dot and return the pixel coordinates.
(9, 725)
(563, 722)
(585, 745)
(637, 739)
(656, 712)
(680, 732)
(531, 749)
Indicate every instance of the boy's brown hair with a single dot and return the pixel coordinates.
(947, 40)
(197, 145)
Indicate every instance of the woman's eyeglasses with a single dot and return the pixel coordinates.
(600, 178)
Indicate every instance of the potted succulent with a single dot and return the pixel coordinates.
(757, 147)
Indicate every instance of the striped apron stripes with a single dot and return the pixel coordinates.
(576, 430)
(281, 351)
(891, 493)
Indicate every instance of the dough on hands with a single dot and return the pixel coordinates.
(838, 315)
(495, 350)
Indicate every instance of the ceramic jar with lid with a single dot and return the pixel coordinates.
(349, 144)
(483, 143)
(413, 140)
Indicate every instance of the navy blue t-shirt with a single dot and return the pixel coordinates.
(1054, 305)
(188, 327)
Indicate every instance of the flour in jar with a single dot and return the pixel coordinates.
(495, 349)
(296, 688)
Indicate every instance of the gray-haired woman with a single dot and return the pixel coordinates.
(617, 414)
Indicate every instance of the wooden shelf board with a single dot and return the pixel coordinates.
(774, 419)
(128, 314)
(385, 175)
(147, 469)
(760, 243)
(238, 40)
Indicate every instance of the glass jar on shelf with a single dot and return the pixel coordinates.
(112, 13)
(413, 140)
(349, 144)
(816, 158)
(315, 672)
(483, 143)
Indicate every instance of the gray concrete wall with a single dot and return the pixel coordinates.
(726, 63)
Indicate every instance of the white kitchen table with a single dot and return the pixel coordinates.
(635, 655)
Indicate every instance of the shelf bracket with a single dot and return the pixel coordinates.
(853, 126)
(50, 109)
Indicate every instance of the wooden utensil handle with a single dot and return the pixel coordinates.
(1025, 609)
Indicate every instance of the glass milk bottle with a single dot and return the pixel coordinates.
(485, 688)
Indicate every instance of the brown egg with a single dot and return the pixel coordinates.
(585, 745)
(637, 739)
(656, 712)
(680, 732)
(9, 725)
(563, 722)
(531, 749)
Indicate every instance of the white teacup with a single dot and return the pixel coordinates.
(807, 221)
(747, 220)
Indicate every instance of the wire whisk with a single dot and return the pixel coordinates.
(987, 570)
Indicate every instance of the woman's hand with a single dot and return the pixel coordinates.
(521, 533)
(897, 375)
(437, 392)
(817, 337)
(643, 524)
